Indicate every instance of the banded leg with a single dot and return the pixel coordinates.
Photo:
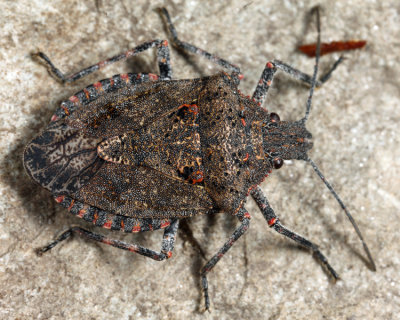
(265, 81)
(167, 244)
(244, 218)
(193, 49)
(163, 59)
(274, 222)
(271, 67)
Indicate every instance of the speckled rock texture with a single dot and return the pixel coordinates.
(354, 121)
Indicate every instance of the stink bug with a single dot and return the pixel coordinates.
(139, 152)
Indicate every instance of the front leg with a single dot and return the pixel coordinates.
(271, 67)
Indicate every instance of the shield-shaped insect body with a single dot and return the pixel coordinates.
(139, 152)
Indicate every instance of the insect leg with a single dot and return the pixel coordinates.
(266, 77)
(274, 222)
(163, 59)
(271, 67)
(244, 218)
(167, 244)
(193, 49)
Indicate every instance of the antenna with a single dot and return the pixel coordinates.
(314, 78)
(313, 165)
(329, 186)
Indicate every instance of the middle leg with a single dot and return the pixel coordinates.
(184, 46)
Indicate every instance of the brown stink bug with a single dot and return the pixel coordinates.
(139, 152)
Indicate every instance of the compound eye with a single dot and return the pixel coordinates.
(274, 117)
(277, 162)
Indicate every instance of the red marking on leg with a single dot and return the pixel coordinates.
(101, 64)
(270, 65)
(95, 217)
(165, 224)
(122, 224)
(136, 228)
(107, 225)
(133, 249)
(111, 82)
(81, 213)
(54, 118)
(59, 199)
(150, 227)
(165, 43)
(269, 82)
(220, 255)
(169, 254)
(247, 215)
(139, 75)
(271, 221)
(130, 53)
(125, 77)
(74, 99)
(153, 76)
(241, 76)
(246, 157)
(107, 241)
(98, 86)
(70, 206)
(243, 122)
(224, 73)
(65, 109)
(87, 94)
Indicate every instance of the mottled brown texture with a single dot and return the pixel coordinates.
(143, 193)
(170, 149)
(354, 122)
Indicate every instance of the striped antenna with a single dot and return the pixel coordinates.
(314, 166)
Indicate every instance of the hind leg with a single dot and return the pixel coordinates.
(244, 218)
(167, 244)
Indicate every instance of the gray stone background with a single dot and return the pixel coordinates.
(354, 121)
